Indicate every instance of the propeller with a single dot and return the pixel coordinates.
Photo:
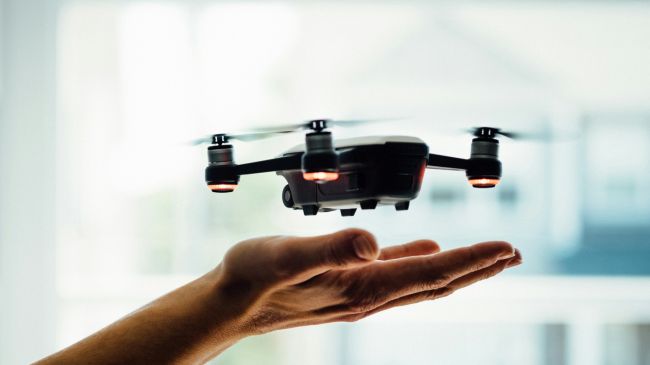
(320, 124)
(490, 132)
(225, 138)
(265, 132)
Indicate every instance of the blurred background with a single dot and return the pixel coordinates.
(103, 207)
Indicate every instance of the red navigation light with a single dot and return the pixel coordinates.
(222, 188)
(484, 182)
(320, 176)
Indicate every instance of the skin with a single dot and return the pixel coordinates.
(270, 283)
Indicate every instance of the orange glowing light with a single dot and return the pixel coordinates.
(222, 188)
(484, 182)
(320, 176)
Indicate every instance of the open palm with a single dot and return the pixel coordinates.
(344, 276)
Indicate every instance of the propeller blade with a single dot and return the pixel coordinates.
(544, 136)
(254, 136)
(244, 137)
(202, 140)
(280, 129)
(511, 135)
(356, 122)
(265, 132)
(330, 123)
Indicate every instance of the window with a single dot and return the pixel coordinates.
(137, 79)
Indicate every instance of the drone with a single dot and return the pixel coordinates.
(361, 172)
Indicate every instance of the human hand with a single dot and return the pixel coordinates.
(296, 281)
(269, 283)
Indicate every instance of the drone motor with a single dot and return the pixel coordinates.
(484, 167)
(220, 173)
(320, 162)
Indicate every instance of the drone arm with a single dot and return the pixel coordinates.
(291, 162)
(446, 162)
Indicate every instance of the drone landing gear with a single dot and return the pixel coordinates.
(369, 204)
(309, 209)
(348, 212)
(402, 205)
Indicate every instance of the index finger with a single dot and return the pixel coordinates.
(414, 274)
(415, 248)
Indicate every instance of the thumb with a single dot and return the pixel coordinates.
(311, 256)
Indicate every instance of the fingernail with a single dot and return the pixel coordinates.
(507, 255)
(364, 248)
(516, 260)
(514, 263)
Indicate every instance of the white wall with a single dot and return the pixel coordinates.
(27, 173)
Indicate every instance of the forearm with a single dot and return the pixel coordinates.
(187, 326)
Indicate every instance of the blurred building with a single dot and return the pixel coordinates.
(102, 206)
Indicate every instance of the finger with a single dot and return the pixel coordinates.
(382, 282)
(486, 273)
(415, 274)
(459, 283)
(516, 260)
(415, 248)
(314, 255)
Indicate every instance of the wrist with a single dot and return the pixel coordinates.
(202, 320)
(226, 305)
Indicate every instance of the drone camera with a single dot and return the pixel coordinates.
(320, 162)
(220, 174)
